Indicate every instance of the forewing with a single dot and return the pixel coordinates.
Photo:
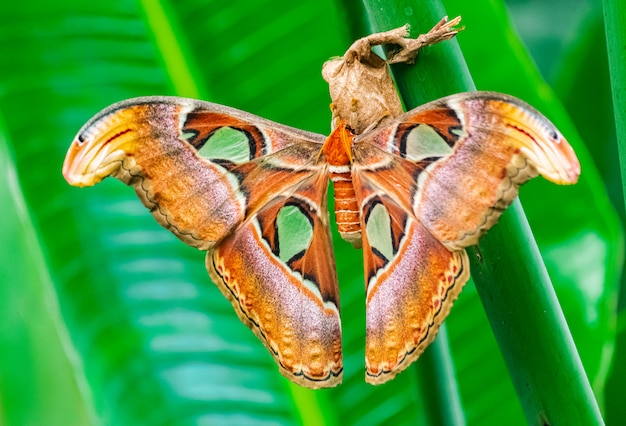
(187, 161)
(468, 155)
(278, 271)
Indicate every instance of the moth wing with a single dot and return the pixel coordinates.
(180, 155)
(278, 271)
(429, 185)
(411, 282)
(245, 189)
(469, 154)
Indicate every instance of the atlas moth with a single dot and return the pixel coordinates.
(412, 189)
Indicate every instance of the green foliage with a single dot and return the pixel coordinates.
(151, 340)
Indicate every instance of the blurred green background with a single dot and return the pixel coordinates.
(105, 318)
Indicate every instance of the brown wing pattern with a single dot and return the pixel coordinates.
(411, 281)
(180, 162)
(430, 185)
(472, 151)
(248, 190)
(253, 193)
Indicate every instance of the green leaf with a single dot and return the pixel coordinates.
(34, 352)
(615, 19)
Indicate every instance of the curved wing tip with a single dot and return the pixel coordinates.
(74, 169)
(69, 166)
(562, 165)
(572, 170)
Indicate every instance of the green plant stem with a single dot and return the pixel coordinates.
(529, 326)
(511, 278)
(614, 23)
(438, 383)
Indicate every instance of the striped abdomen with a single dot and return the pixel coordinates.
(338, 152)
(346, 208)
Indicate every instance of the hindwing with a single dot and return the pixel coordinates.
(278, 270)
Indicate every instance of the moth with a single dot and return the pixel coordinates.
(412, 189)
